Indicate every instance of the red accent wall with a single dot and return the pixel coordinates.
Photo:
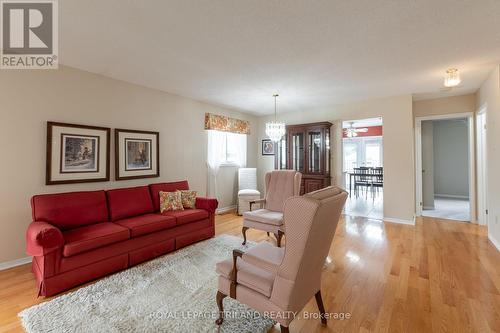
(372, 131)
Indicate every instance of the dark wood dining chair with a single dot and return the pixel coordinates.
(377, 180)
(362, 179)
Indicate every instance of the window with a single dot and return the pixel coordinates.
(226, 148)
(363, 151)
(236, 146)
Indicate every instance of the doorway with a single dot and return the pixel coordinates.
(362, 163)
(445, 168)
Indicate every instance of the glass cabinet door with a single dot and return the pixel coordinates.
(314, 151)
(297, 151)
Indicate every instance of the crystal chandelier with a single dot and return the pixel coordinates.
(452, 78)
(274, 129)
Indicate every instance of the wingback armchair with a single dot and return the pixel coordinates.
(280, 281)
(280, 185)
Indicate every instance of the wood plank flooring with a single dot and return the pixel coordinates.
(439, 276)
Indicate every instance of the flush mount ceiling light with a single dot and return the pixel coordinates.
(452, 78)
(274, 129)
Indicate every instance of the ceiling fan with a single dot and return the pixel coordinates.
(353, 131)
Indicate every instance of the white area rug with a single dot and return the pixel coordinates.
(173, 293)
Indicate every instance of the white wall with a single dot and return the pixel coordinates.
(489, 96)
(30, 98)
(399, 187)
(451, 157)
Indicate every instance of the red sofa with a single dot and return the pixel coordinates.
(80, 236)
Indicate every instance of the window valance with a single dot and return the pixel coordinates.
(226, 124)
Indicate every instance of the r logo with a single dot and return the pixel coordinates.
(27, 28)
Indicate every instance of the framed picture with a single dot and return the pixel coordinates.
(137, 154)
(267, 147)
(77, 153)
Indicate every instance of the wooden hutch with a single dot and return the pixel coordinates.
(306, 148)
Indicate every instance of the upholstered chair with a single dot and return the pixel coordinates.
(247, 188)
(280, 185)
(280, 281)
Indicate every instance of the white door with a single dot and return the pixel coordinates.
(482, 174)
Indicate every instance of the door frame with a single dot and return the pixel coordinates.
(472, 166)
(482, 167)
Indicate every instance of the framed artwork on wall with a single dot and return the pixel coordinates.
(267, 147)
(76, 153)
(137, 154)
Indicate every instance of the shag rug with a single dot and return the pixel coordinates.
(173, 293)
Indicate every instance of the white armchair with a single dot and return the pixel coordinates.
(247, 188)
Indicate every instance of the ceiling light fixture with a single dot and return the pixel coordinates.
(452, 78)
(274, 129)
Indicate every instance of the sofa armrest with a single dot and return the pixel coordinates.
(208, 204)
(43, 238)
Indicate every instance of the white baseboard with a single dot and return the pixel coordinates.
(452, 196)
(14, 263)
(494, 242)
(400, 221)
(223, 210)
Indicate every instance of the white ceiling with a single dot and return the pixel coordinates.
(362, 123)
(314, 53)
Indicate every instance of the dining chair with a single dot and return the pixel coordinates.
(361, 179)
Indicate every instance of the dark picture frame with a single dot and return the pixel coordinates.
(137, 154)
(75, 153)
(268, 147)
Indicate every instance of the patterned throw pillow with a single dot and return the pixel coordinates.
(170, 201)
(188, 199)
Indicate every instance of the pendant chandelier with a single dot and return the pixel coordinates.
(452, 78)
(274, 129)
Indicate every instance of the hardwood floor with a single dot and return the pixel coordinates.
(439, 276)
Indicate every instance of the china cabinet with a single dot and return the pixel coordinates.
(306, 148)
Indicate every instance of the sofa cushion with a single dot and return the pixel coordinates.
(128, 202)
(187, 215)
(70, 210)
(165, 187)
(92, 237)
(264, 216)
(146, 224)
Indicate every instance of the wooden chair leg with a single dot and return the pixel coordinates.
(219, 298)
(279, 236)
(321, 307)
(244, 232)
(284, 329)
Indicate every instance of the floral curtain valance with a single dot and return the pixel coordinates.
(226, 124)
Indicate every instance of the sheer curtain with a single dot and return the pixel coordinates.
(237, 149)
(216, 155)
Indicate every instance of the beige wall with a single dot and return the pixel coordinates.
(30, 98)
(446, 105)
(399, 193)
(489, 96)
